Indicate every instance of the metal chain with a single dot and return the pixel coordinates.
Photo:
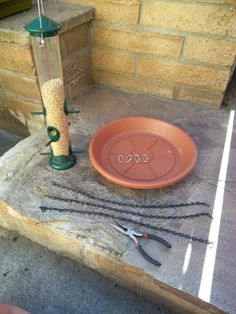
(101, 214)
(128, 204)
(129, 212)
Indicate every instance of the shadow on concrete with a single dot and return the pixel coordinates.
(11, 124)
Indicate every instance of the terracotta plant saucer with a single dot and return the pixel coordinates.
(142, 153)
(11, 309)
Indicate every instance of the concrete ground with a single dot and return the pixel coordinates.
(193, 276)
(43, 282)
(36, 279)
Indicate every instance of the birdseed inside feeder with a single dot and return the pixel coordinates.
(45, 43)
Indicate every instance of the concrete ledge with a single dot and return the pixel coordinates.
(75, 246)
(68, 15)
(26, 179)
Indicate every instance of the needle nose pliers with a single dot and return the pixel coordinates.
(132, 234)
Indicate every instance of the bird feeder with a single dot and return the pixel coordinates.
(45, 43)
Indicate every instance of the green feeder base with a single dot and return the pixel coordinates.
(62, 162)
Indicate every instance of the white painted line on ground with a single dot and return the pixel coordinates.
(210, 257)
(187, 258)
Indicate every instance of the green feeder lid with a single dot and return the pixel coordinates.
(49, 27)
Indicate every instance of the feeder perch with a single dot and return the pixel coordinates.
(45, 43)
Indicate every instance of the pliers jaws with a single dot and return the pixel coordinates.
(132, 234)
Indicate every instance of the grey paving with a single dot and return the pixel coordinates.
(43, 282)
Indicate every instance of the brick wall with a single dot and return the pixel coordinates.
(182, 50)
(19, 89)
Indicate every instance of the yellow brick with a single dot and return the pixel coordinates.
(113, 61)
(2, 92)
(198, 96)
(118, 11)
(25, 107)
(76, 64)
(179, 73)
(128, 81)
(18, 84)
(16, 58)
(154, 43)
(82, 82)
(34, 125)
(21, 38)
(219, 1)
(74, 39)
(190, 17)
(26, 125)
(211, 51)
(115, 11)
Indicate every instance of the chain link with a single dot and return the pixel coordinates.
(128, 204)
(112, 216)
(128, 212)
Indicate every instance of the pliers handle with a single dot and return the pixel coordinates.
(144, 254)
(134, 235)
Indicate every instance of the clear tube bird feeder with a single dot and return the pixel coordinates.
(45, 43)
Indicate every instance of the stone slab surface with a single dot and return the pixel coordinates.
(27, 179)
